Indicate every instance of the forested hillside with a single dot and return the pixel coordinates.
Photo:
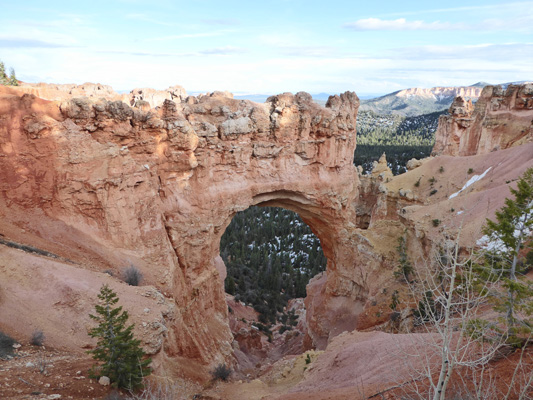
(397, 155)
(400, 138)
(377, 129)
(270, 255)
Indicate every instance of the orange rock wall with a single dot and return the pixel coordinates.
(160, 187)
(500, 119)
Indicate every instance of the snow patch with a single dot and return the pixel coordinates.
(471, 181)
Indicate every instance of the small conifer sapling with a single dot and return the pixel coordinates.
(121, 355)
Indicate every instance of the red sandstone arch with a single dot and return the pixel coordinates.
(160, 186)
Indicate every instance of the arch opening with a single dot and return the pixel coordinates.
(270, 255)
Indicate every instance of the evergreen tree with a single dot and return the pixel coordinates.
(13, 81)
(121, 355)
(504, 242)
(405, 268)
(3, 76)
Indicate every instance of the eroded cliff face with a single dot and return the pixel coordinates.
(158, 187)
(442, 92)
(500, 119)
(144, 98)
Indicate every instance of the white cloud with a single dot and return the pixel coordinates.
(144, 18)
(521, 5)
(188, 36)
(400, 24)
(307, 51)
(488, 51)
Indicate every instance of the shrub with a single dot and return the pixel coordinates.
(404, 268)
(432, 180)
(132, 276)
(6, 345)
(308, 359)
(395, 300)
(221, 372)
(37, 338)
(157, 391)
(41, 363)
(284, 328)
(263, 328)
(417, 183)
(433, 192)
(395, 316)
(470, 170)
(441, 169)
(435, 222)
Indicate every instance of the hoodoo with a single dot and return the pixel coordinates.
(500, 119)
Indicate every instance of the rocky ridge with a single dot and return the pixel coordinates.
(416, 101)
(139, 97)
(500, 119)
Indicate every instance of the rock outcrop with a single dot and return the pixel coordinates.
(154, 98)
(500, 119)
(106, 185)
(139, 97)
(59, 92)
(440, 92)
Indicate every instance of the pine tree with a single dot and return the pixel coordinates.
(3, 76)
(504, 242)
(121, 355)
(13, 81)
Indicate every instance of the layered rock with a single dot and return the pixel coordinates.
(500, 119)
(440, 92)
(59, 92)
(139, 97)
(154, 98)
(158, 188)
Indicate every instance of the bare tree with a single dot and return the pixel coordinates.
(448, 306)
(454, 353)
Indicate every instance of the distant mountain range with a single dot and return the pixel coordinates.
(406, 102)
(417, 101)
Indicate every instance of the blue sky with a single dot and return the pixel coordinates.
(269, 46)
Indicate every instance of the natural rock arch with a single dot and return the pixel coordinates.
(162, 185)
(303, 164)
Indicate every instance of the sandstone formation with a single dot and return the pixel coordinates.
(439, 92)
(58, 92)
(154, 98)
(103, 185)
(500, 119)
(157, 189)
(139, 97)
